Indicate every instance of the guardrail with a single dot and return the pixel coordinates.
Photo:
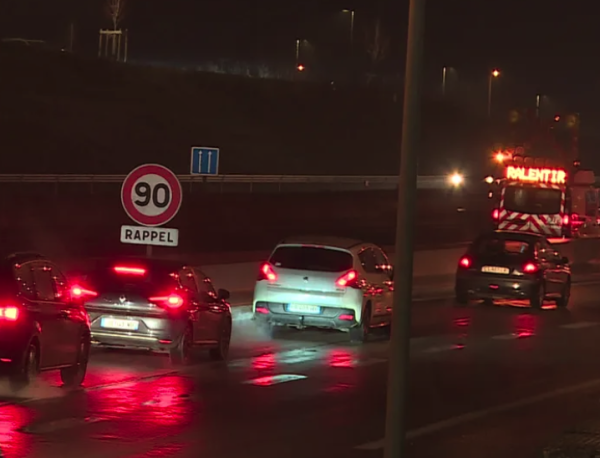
(427, 181)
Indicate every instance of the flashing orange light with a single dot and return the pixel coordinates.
(535, 175)
(556, 118)
(499, 157)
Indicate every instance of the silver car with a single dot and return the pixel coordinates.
(157, 305)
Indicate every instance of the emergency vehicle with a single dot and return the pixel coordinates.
(537, 196)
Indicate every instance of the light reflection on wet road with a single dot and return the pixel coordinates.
(136, 405)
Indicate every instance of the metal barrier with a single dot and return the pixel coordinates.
(375, 181)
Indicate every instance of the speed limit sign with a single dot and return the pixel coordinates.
(151, 195)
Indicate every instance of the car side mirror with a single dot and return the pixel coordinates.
(223, 294)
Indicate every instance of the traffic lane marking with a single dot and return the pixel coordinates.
(484, 413)
(270, 380)
(312, 355)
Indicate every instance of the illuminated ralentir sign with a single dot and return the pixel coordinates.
(535, 175)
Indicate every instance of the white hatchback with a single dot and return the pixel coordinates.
(325, 282)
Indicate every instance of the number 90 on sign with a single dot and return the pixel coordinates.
(151, 195)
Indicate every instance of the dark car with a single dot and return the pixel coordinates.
(513, 265)
(41, 326)
(157, 305)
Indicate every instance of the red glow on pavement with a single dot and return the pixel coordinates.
(144, 409)
(341, 358)
(13, 443)
(266, 361)
(462, 322)
(267, 380)
(525, 325)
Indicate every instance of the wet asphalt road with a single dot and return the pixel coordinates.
(485, 381)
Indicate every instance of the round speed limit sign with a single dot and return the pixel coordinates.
(151, 195)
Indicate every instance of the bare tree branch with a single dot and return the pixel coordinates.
(115, 10)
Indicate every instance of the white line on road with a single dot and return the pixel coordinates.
(269, 380)
(580, 325)
(511, 336)
(478, 414)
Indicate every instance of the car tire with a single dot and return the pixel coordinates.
(361, 332)
(536, 300)
(27, 371)
(181, 354)
(461, 297)
(563, 300)
(221, 351)
(74, 376)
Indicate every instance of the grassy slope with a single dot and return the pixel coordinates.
(63, 114)
(87, 114)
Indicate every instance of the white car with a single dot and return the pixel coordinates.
(325, 282)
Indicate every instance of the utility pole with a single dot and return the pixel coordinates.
(399, 359)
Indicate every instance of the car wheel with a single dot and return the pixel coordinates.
(27, 372)
(221, 352)
(73, 376)
(461, 297)
(360, 333)
(181, 354)
(563, 301)
(537, 298)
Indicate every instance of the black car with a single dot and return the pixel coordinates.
(158, 305)
(42, 327)
(513, 265)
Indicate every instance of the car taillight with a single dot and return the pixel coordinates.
(496, 214)
(128, 270)
(9, 313)
(267, 273)
(172, 301)
(465, 262)
(566, 220)
(79, 292)
(348, 280)
(530, 268)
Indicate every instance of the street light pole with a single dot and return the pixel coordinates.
(297, 51)
(493, 75)
(399, 358)
(444, 70)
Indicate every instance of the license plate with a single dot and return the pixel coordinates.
(126, 325)
(304, 308)
(495, 270)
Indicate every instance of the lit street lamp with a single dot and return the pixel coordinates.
(494, 74)
(456, 179)
(351, 26)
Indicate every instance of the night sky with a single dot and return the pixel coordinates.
(547, 47)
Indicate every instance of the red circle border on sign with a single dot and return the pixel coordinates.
(176, 195)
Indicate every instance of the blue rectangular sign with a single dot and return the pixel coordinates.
(205, 161)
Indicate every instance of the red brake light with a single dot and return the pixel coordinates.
(465, 262)
(9, 313)
(346, 317)
(267, 273)
(172, 301)
(79, 292)
(125, 270)
(496, 214)
(566, 220)
(348, 280)
(530, 268)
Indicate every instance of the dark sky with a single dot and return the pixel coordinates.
(546, 46)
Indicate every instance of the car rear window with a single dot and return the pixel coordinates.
(495, 246)
(155, 278)
(312, 258)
